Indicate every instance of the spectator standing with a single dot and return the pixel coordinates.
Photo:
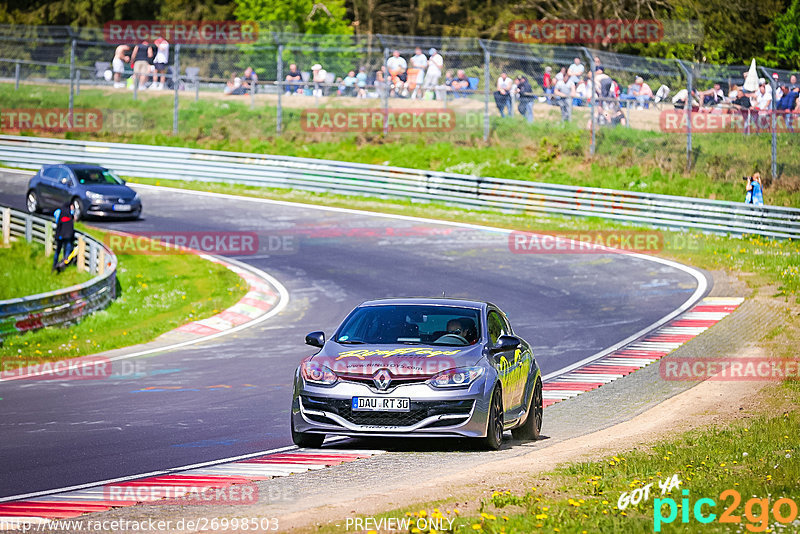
(419, 62)
(118, 64)
(65, 231)
(141, 58)
(547, 82)
(434, 72)
(319, 77)
(754, 190)
(293, 76)
(525, 92)
(361, 82)
(397, 67)
(160, 63)
(502, 97)
(564, 92)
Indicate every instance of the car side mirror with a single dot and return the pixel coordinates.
(65, 181)
(504, 344)
(316, 339)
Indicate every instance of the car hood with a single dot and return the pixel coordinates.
(420, 360)
(111, 190)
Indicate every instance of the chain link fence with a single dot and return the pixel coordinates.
(677, 114)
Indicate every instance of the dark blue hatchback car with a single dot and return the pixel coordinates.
(91, 190)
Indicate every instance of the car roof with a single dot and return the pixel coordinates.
(426, 301)
(74, 166)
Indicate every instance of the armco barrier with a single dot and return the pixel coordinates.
(358, 179)
(63, 306)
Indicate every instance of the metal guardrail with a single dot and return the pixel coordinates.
(62, 306)
(188, 164)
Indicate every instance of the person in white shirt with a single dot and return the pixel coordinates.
(419, 62)
(764, 98)
(502, 97)
(435, 68)
(575, 71)
(319, 77)
(397, 66)
(160, 63)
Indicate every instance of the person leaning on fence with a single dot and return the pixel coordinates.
(502, 97)
(118, 64)
(787, 103)
(525, 94)
(754, 190)
(141, 59)
(160, 63)
(65, 232)
(460, 84)
(293, 76)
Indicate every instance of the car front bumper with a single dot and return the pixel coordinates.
(106, 210)
(457, 412)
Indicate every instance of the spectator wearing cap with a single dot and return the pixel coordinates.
(319, 77)
(642, 92)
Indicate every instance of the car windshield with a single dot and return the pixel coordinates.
(96, 176)
(411, 324)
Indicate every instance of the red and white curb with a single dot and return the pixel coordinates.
(260, 298)
(71, 504)
(641, 353)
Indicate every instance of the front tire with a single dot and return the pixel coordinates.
(532, 428)
(32, 202)
(306, 439)
(494, 424)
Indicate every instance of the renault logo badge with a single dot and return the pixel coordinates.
(382, 379)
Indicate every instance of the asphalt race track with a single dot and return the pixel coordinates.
(231, 395)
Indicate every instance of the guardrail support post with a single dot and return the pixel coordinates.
(28, 228)
(92, 257)
(278, 80)
(81, 257)
(176, 69)
(48, 239)
(101, 261)
(6, 226)
(16, 76)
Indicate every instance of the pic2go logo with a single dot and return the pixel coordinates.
(756, 510)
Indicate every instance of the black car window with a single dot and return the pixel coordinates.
(497, 326)
(411, 324)
(96, 176)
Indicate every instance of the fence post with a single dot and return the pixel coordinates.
(48, 238)
(6, 225)
(81, 257)
(592, 67)
(16, 76)
(486, 95)
(71, 80)
(279, 84)
(774, 108)
(688, 111)
(387, 81)
(176, 80)
(77, 81)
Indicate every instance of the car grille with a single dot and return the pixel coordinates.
(419, 411)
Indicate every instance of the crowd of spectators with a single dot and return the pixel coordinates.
(146, 60)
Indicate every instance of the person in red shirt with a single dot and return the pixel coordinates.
(547, 82)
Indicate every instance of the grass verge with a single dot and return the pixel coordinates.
(25, 270)
(155, 294)
(755, 458)
(546, 151)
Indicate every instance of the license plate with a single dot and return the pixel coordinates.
(121, 207)
(381, 404)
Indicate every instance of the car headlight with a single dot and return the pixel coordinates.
(460, 376)
(317, 374)
(97, 197)
(135, 197)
